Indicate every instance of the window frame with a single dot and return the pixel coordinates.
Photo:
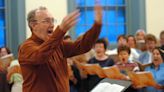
(135, 17)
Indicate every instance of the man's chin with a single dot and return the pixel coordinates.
(49, 35)
(46, 38)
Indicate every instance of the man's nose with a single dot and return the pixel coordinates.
(52, 25)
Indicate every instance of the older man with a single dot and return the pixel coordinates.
(43, 56)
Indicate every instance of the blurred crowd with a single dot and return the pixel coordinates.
(142, 52)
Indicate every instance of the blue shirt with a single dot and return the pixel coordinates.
(145, 57)
(158, 76)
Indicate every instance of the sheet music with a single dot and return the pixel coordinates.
(107, 87)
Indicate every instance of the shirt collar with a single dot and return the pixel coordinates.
(160, 66)
(36, 38)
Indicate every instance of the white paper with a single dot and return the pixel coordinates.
(107, 87)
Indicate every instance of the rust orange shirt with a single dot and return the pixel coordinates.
(43, 63)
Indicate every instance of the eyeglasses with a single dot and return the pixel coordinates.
(46, 21)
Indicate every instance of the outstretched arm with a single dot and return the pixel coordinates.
(85, 43)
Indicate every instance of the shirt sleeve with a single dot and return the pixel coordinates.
(82, 44)
(32, 53)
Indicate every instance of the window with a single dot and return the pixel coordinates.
(114, 19)
(2, 23)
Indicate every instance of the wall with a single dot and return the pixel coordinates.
(153, 8)
(154, 16)
(57, 7)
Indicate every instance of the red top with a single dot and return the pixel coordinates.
(43, 63)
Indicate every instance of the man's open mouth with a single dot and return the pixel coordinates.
(49, 31)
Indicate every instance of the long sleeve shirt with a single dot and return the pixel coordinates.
(43, 63)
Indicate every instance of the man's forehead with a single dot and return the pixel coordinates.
(43, 13)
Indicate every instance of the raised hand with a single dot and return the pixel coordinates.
(69, 21)
(98, 13)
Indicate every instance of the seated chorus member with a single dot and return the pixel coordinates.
(101, 58)
(140, 35)
(4, 86)
(125, 65)
(140, 40)
(157, 69)
(131, 41)
(4, 51)
(146, 56)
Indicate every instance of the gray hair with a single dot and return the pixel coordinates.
(32, 13)
(140, 30)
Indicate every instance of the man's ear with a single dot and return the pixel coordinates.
(32, 24)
